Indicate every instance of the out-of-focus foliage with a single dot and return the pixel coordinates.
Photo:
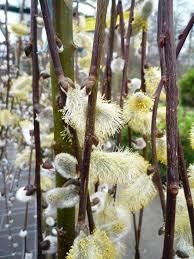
(186, 85)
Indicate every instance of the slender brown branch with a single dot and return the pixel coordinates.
(35, 100)
(171, 121)
(156, 177)
(183, 35)
(107, 82)
(143, 59)
(137, 254)
(161, 37)
(124, 85)
(90, 122)
(62, 80)
(122, 26)
(7, 54)
(187, 190)
(78, 155)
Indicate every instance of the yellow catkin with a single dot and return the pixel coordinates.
(137, 112)
(121, 167)
(139, 194)
(192, 136)
(95, 246)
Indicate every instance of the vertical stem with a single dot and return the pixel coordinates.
(61, 62)
(156, 177)
(19, 50)
(107, 82)
(35, 100)
(187, 190)
(124, 86)
(7, 53)
(143, 59)
(122, 26)
(90, 121)
(171, 121)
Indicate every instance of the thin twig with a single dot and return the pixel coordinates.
(183, 35)
(187, 190)
(35, 100)
(156, 177)
(107, 81)
(62, 80)
(124, 85)
(90, 122)
(143, 59)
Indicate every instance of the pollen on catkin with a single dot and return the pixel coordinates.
(139, 194)
(152, 79)
(120, 167)
(192, 136)
(191, 175)
(96, 246)
(109, 118)
(161, 149)
(137, 112)
(47, 179)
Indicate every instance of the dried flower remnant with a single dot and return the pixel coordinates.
(120, 167)
(50, 221)
(161, 149)
(63, 197)
(50, 212)
(23, 196)
(134, 85)
(97, 246)
(23, 233)
(117, 65)
(139, 194)
(98, 200)
(65, 164)
(192, 136)
(27, 127)
(49, 245)
(139, 143)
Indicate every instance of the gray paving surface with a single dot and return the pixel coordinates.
(150, 245)
(18, 212)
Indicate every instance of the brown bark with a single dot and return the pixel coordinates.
(107, 81)
(90, 121)
(35, 99)
(171, 119)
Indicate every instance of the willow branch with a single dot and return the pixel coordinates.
(107, 82)
(122, 26)
(183, 35)
(62, 80)
(90, 121)
(171, 121)
(35, 100)
(7, 54)
(143, 59)
(156, 177)
(187, 190)
(124, 86)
